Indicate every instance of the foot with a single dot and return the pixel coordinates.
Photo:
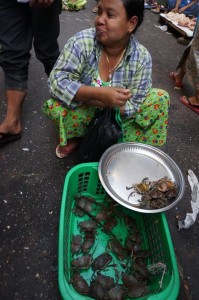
(178, 82)
(12, 124)
(9, 132)
(191, 101)
(13, 127)
(194, 101)
(64, 151)
(155, 10)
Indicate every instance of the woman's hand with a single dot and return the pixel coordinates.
(103, 96)
(115, 96)
(175, 10)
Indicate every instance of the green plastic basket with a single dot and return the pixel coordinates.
(83, 179)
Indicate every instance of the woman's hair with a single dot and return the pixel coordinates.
(134, 8)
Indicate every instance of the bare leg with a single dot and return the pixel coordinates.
(12, 122)
(179, 76)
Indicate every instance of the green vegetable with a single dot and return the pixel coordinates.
(74, 5)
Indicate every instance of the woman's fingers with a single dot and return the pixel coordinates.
(123, 90)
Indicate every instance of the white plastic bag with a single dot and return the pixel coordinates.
(191, 217)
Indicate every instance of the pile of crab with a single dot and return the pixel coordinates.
(108, 258)
(155, 194)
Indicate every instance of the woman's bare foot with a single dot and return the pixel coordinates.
(11, 127)
(177, 78)
(64, 151)
(189, 101)
(193, 101)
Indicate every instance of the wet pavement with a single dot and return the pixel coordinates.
(31, 177)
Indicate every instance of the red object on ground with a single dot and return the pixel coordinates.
(187, 103)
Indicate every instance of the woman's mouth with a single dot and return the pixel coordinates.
(100, 31)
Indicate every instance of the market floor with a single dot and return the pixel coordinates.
(32, 177)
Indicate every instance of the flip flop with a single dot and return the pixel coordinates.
(178, 85)
(187, 103)
(6, 138)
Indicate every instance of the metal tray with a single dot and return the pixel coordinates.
(125, 164)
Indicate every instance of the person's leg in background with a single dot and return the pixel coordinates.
(46, 29)
(192, 72)
(177, 78)
(15, 45)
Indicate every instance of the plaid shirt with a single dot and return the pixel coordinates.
(78, 65)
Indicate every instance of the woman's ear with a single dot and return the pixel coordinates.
(132, 24)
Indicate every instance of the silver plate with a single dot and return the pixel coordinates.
(125, 164)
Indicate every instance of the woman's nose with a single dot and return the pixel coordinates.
(100, 19)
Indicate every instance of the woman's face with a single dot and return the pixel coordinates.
(111, 23)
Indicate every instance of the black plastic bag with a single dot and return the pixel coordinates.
(103, 131)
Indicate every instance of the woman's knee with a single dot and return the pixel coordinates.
(158, 94)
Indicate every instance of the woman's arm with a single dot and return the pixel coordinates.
(103, 96)
(141, 82)
(176, 8)
(64, 79)
(66, 85)
(182, 9)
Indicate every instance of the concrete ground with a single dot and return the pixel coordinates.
(31, 177)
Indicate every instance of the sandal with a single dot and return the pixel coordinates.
(178, 85)
(185, 100)
(6, 138)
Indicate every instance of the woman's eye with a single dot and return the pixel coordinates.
(110, 16)
(99, 11)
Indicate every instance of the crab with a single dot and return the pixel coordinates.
(115, 245)
(80, 284)
(101, 261)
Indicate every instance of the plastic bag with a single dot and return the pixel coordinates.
(103, 131)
